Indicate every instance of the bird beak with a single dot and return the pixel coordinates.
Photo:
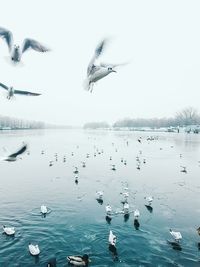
(114, 71)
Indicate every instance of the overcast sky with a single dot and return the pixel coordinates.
(161, 39)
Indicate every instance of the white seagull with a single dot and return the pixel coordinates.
(11, 91)
(176, 235)
(43, 209)
(95, 71)
(112, 239)
(99, 195)
(9, 230)
(34, 249)
(15, 50)
(13, 156)
(108, 209)
(136, 214)
(149, 200)
(126, 208)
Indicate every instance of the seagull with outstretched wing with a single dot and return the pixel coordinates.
(15, 50)
(96, 71)
(11, 91)
(13, 156)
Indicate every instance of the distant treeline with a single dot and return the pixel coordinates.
(13, 123)
(96, 125)
(188, 116)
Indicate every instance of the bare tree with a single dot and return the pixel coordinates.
(187, 116)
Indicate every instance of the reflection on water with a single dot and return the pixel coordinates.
(77, 223)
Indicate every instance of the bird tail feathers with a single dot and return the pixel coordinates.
(87, 85)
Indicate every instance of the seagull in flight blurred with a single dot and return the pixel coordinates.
(96, 71)
(15, 50)
(13, 156)
(11, 91)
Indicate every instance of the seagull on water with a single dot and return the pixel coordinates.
(149, 200)
(112, 239)
(11, 91)
(9, 230)
(15, 50)
(96, 71)
(13, 156)
(34, 249)
(44, 209)
(136, 214)
(99, 195)
(176, 235)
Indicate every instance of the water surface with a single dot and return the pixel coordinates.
(77, 222)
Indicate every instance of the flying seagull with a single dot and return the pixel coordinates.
(11, 91)
(13, 156)
(15, 50)
(96, 71)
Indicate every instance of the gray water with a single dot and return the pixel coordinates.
(77, 222)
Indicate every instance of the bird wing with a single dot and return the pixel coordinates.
(4, 86)
(20, 151)
(35, 45)
(106, 65)
(98, 51)
(75, 258)
(19, 92)
(8, 36)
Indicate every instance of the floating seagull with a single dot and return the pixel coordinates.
(125, 197)
(78, 260)
(126, 208)
(112, 239)
(96, 72)
(11, 92)
(50, 163)
(13, 156)
(138, 166)
(113, 168)
(43, 209)
(9, 230)
(149, 200)
(108, 210)
(15, 50)
(83, 164)
(76, 170)
(99, 195)
(176, 235)
(76, 180)
(136, 214)
(34, 249)
(183, 169)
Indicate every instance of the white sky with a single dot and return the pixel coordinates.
(160, 38)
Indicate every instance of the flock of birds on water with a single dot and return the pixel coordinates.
(84, 260)
(95, 72)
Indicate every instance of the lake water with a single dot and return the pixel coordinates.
(77, 222)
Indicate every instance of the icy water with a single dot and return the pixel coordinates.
(77, 222)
